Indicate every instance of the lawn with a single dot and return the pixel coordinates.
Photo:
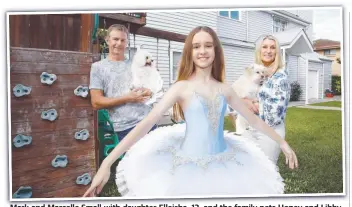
(330, 104)
(316, 137)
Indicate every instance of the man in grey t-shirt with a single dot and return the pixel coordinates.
(110, 85)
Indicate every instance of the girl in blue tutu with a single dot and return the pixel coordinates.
(196, 158)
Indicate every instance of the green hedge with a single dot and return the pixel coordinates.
(296, 91)
(336, 84)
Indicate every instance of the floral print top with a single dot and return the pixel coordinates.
(273, 97)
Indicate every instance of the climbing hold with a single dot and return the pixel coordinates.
(50, 115)
(82, 135)
(83, 179)
(21, 90)
(59, 161)
(23, 192)
(47, 78)
(81, 91)
(21, 140)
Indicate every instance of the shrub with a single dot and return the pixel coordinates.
(296, 91)
(336, 84)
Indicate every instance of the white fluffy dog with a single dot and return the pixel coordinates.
(145, 74)
(247, 85)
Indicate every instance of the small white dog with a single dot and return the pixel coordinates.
(247, 85)
(145, 74)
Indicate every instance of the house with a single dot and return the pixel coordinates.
(238, 30)
(330, 49)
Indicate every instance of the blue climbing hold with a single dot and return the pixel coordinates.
(50, 115)
(23, 192)
(82, 135)
(47, 78)
(83, 179)
(59, 161)
(81, 91)
(21, 90)
(21, 140)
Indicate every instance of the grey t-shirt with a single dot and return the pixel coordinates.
(115, 79)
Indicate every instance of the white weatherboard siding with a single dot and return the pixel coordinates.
(231, 28)
(292, 68)
(236, 60)
(260, 23)
(302, 75)
(181, 22)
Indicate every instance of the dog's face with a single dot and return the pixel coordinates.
(256, 73)
(143, 58)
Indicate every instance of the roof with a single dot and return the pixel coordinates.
(295, 39)
(234, 42)
(290, 16)
(315, 57)
(293, 16)
(322, 44)
(286, 37)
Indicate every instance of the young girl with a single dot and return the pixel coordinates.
(196, 158)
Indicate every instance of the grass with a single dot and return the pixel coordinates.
(329, 104)
(316, 137)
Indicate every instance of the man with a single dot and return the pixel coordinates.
(110, 85)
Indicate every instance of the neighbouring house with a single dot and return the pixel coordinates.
(238, 30)
(330, 49)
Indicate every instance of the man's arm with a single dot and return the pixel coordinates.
(99, 101)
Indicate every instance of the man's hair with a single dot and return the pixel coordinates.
(118, 27)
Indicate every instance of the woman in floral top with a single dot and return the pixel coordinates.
(273, 96)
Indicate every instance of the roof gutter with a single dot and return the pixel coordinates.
(289, 16)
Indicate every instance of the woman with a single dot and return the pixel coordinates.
(273, 96)
(202, 160)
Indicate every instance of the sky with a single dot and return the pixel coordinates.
(327, 24)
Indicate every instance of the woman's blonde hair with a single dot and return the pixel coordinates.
(187, 68)
(278, 59)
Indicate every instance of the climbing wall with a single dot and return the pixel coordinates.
(53, 148)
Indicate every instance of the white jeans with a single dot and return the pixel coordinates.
(270, 147)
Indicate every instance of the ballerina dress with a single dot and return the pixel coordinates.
(197, 159)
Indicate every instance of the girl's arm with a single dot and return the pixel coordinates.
(142, 128)
(253, 120)
(237, 104)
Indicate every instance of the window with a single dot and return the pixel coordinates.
(279, 25)
(330, 52)
(230, 14)
(176, 57)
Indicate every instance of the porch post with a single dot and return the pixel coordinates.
(284, 57)
(307, 77)
(86, 32)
